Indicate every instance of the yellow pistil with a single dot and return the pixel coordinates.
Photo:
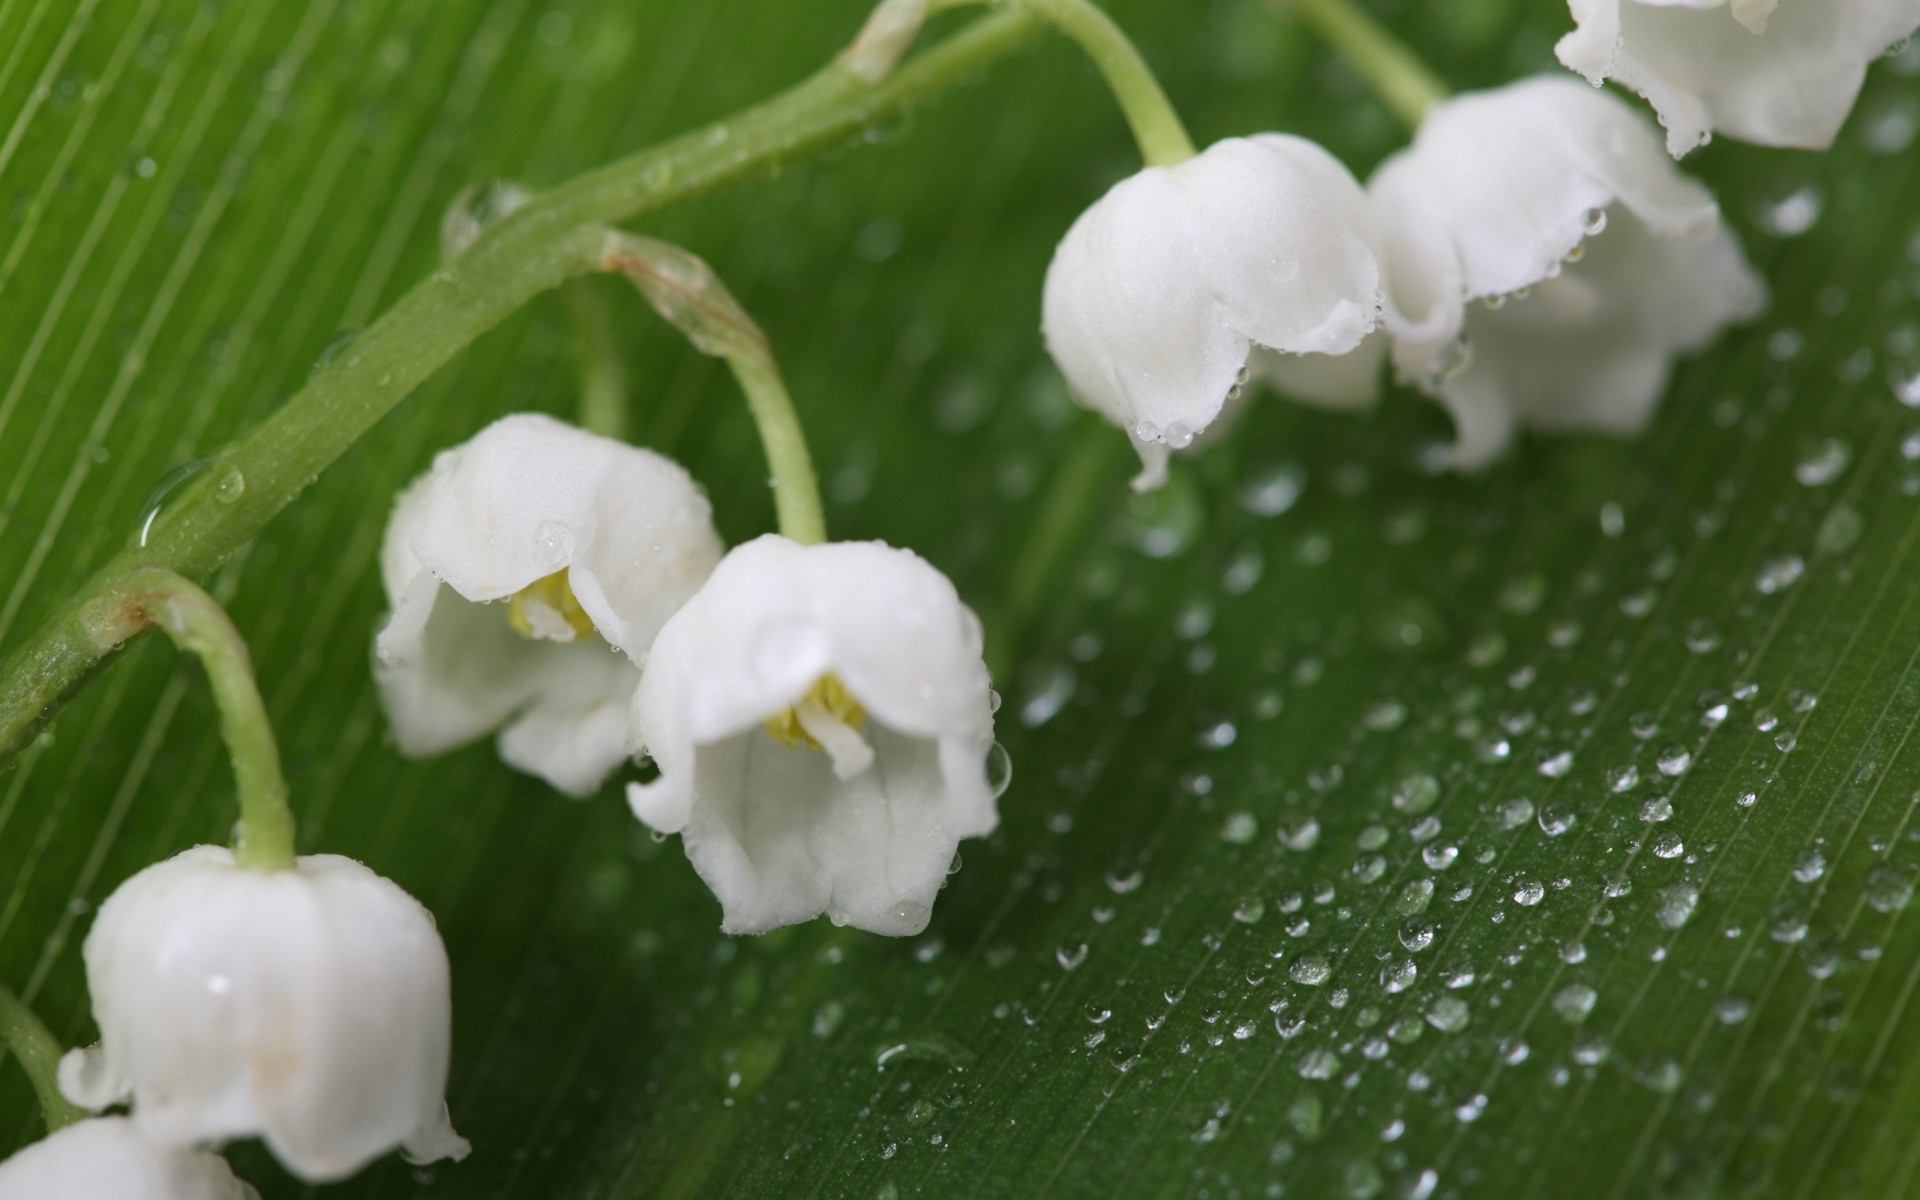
(551, 594)
(828, 693)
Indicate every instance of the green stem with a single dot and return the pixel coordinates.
(263, 838)
(603, 374)
(556, 235)
(1401, 81)
(38, 1053)
(796, 490)
(688, 295)
(1157, 128)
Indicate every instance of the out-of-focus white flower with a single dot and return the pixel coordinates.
(309, 1007)
(591, 542)
(106, 1159)
(1160, 291)
(821, 718)
(1547, 262)
(1776, 72)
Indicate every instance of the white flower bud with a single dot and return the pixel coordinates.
(821, 718)
(1160, 292)
(591, 542)
(1776, 72)
(1547, 263)
(107, 1159)
(308, 1007)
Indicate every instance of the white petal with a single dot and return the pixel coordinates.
(309, 1007)
(107, 1159)
(1158, 293)
(528, 497)
(1780, 74)
(783, 834)
(1593, 351)
(1336, 381)
(1513, 179)
(1491, 202)
(574, 733)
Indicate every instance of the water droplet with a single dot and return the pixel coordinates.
(1553, 763)
(1310, 969)
(1674, 760)
(169, 483)
(1398, 977)
(1414, 898)
(1731, 1009)
(1448, 1014)
(1070, 957)
(999, 768)
(1273, 491)
(1779, 573)
(1887, 889)
(1239, 828)
(1416, 794)
(1811, 867)
(1300, 833)
(1556, 819)
(1319, 1064)
(477, 208)
(1514, 813)
(1824, 463)
(1789, 213)
(230, 488)
(1123, 884)
(1667, 844)
(1574, 1003)
(1676, 904)
(1622, 779)
(333, 349)
(1528, 891)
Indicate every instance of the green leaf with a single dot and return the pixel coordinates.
(1310, 716)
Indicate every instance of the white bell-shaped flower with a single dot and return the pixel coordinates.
(1776, 72)
(591, 543)
(821, 718)
(1547, 262)
(106, 1159)
(309, 1007)
(1160, 292)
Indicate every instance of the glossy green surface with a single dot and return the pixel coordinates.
(1251, 723)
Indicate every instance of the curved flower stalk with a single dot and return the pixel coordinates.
(107, 1159)
(822, 719)
(1161, 292)
(590, 542)
(1776, 72)
(1547, 263)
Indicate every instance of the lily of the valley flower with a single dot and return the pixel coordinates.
(821, 718)
(308, 1006)
(1547, 262)
(1776, 72)
(591, 544)
(1161, 291)
(107, 1159)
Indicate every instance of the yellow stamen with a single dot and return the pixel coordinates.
(827, 692)
(552, 594)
